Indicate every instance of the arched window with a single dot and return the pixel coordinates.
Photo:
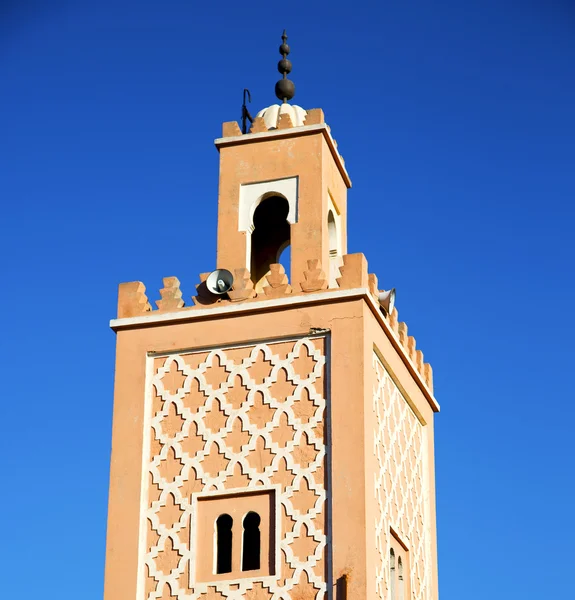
(392, 574)
(333, 248)
(400, 584)
(251, 546)
(224, 544)
(270, 237)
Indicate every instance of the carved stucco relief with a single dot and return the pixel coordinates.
(400, 485)
(236, 419)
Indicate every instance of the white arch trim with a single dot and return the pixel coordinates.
(251, 194)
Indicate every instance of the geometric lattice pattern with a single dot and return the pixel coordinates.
(400, 485)
(237, 419)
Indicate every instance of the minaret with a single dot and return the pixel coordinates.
(273, 440)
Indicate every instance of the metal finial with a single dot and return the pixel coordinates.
(285, 88)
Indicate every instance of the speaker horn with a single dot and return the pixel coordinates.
(387, 300)
(220, 281)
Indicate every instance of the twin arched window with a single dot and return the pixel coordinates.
(251, 543)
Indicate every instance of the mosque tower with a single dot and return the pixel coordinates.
(272, 440)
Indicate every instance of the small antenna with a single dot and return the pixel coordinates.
(245, 112)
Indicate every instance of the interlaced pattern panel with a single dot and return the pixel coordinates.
(229, 419)
(400, 492)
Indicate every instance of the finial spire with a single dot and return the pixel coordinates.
(285, 89)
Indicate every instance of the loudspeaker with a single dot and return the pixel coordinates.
(387, 300)
(219, 282)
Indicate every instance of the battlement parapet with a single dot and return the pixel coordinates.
(133, 301)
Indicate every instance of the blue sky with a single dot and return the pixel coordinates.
(458, 129)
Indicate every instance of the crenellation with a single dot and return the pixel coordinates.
(258, 125)
(243, 287)
(284, 121)
(373, 285)
(278, 282)
(419, 360)
(314, 116)
(402, 332)
(132, 300)
(411, 348)
(171, 295)
(409, 344)
(354, 272)
(231, 129)
(315, 278)
(428, 375)
(394, 321)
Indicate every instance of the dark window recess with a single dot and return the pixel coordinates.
(251, 542)
(224, 544)
(270, 236)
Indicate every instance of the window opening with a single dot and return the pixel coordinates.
(251, 542)
(224, 544)
(333, 248)
(400, 584)
(271, 235)
(392, 573)
(332, 234)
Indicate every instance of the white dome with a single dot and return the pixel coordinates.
(272, 113)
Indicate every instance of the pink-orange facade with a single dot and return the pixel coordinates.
(275, 441)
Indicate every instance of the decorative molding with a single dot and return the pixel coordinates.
(400, 449)
(249, 418)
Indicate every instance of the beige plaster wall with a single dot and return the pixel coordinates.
(167, 369)
(130, 537)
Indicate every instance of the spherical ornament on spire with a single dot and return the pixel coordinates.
(284, 66)
(285, 89)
